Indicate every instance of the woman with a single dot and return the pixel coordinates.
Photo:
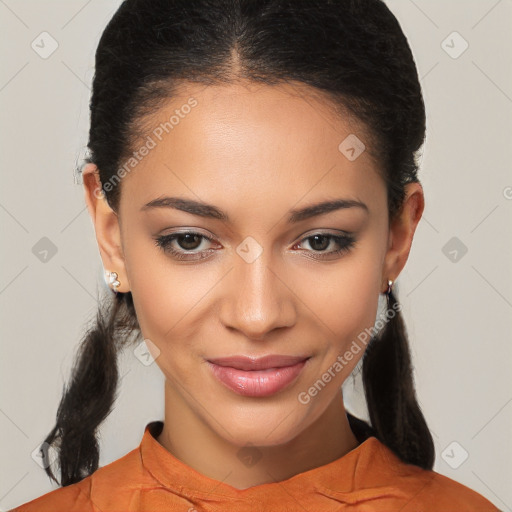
(253, 185)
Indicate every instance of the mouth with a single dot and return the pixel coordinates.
(260, 377)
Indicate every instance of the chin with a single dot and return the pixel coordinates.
(262, 425)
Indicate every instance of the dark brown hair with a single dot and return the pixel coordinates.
(351, 51)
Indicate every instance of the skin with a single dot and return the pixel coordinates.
(254, 151)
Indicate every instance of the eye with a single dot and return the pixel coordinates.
(186, 245)
(186, 241)
(319, 242)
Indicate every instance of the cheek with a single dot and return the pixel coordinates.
(344, 297)
(357, 303)
(344, 300)
(165, 304)
(173, 306)
(165, 296)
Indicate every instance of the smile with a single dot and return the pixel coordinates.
(257, 382)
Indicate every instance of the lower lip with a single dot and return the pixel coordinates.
(256, 382)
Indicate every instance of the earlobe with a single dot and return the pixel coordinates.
(106, 226)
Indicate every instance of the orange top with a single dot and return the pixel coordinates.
(368, 478)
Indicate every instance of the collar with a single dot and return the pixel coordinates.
(343, 479)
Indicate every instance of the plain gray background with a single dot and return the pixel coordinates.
(456, 289)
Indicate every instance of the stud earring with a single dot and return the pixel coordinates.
(388, 291)
(112, 280)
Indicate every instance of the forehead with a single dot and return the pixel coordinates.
(252, 142)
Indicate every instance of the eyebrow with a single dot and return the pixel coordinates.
(210, 211)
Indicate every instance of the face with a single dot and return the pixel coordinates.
(248, 279)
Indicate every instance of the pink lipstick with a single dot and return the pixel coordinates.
(257, 377)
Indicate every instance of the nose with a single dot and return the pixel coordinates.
(257, 300)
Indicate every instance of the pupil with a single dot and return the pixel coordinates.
(315, 239)
(184, 245)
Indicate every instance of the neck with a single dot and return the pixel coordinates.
(192, 441)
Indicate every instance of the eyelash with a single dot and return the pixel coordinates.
(345, 242)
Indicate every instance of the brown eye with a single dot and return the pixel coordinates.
(181, 245)
(320, 242)
(188, 241)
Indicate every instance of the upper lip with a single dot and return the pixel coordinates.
(260, 363)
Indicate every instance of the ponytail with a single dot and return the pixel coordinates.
(395, 415)
(91, 393)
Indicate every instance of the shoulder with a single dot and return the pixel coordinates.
(425, 490)
(71, 498)
(125, 475)
(447, 495)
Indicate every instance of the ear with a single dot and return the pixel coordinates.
(106, 225)
(401, 233)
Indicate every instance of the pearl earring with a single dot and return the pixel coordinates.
(112, 280)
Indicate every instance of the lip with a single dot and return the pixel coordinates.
(258, 363)
(257, 377)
